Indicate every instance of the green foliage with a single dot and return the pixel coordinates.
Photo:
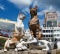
(2, 41)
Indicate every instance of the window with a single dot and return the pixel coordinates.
(57, 34)
(49, 36)
(43, 35)
(46, 35)
(46, 30)
(51, 30)
(43, 30)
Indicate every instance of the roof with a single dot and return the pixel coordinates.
(7, 21)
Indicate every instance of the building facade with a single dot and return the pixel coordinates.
(51, 30)
(6, 27)
(50, 18)
(51, 33)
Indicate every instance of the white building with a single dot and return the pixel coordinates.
(6, 27)
(51, 32)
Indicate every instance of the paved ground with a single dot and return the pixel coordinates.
(30, 52)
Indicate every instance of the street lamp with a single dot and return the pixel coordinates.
(54, 42)
(52, 31)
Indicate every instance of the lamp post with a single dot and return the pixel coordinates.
(52, 30)
(53, 40)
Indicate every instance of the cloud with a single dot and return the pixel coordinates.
(54, 3)
(2, 7)
(38, 4)
(41, 12)
(43, 6)
(26, 10)
(41, 21)
(35, 3)
(21, 4)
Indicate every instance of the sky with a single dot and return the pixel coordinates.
(9, 9)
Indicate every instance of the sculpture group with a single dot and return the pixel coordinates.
(21, 39)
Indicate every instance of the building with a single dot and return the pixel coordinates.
(58, 19)
(6, 27)
(51, 33)
(50, 18)
(51, 30)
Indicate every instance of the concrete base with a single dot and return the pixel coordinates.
(30, 52)
(24, 52)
